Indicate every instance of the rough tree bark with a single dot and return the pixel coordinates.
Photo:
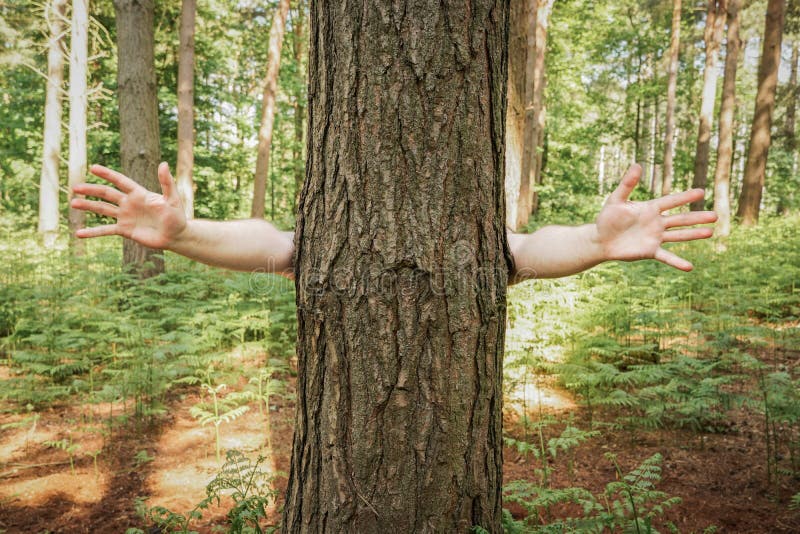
(515, 116)
(722, 176)
(715, 24)
(401, 271)
(78, 104)
(138, 116)
(672, 88)
(183, 180)
(51, 153)
(760, 134)
(268, 109)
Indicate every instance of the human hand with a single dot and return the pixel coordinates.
(148, 218)
(629, 231)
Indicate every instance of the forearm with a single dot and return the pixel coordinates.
(245, 245)
(555, 251)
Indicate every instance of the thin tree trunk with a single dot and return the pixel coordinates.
(515, 115)
(722, 177)
(184, 181)
(78, 105)
(653, 143)
(138, 116)
(298, 42)
(789, 134)
(268, 109)
(539, 106)
(51, 153)
(529, 136)
(399, 425)
(601, 172)
(760, 134)
(672, 88)
(715, 24)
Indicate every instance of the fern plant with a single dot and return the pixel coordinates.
(251, 488)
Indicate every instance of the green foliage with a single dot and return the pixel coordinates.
(241, 479)
(630, 504)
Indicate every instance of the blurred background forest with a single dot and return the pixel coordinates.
(636, 397)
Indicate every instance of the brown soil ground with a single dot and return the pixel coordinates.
(721, 481)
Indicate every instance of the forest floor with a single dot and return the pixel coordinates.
(171, 461)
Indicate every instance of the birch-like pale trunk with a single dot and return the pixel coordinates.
(51, 153)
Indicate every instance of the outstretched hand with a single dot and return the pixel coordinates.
(628, 230)
(148, 218)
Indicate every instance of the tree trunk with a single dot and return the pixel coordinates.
(722, 177)
(298, 42)
(715, 24)
(78, 105)
(672, 88)
(760, 134)
(789, 127)
(184, 182)
(51, 152)
(138, 116)
(539, 107)
(268, 109)
(401, 228)
(654, 125)
(529, 138)
(515, 116)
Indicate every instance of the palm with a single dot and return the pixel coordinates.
(631, 231)
(148, 218)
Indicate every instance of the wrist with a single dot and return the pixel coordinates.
(595, 247)
(182, 237)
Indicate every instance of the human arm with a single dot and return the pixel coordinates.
(157, 221)
(624, 230)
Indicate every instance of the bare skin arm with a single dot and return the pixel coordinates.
(624, 230)
(157, 221)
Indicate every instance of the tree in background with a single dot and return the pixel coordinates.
(140, 151)
(672, 90)
(183, 174)
(715, 24)
(51, 153)
(298, 50)
(78, 104)
(537, 17)
(789, 131)
(398, 426)
(268, 109)
(760, 133)
(539, 107)
(722, 176)
(521, 45)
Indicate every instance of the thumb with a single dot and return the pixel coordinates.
(627, 185)
(165, 179)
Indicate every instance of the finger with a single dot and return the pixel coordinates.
(165, 179)
(98, 231)
(679, 199)
(691, 234)
(100, 208)
(673, 260)
(123, 183)
(99, 191)
(690, 218)
(627, 185)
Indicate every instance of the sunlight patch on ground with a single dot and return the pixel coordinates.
(185, 459)
(81, 488)
(529, 397)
